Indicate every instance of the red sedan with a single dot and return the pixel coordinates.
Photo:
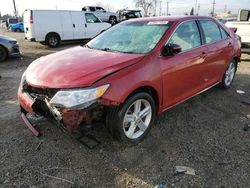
(129, 73)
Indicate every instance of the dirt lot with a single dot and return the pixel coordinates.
(205, 133)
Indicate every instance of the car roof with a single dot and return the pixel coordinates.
(170, 18)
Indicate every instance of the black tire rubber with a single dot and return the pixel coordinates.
(18, 30)
(56, 37)
(115, 115)
(115, 22)
(222, 84)
(3, 54)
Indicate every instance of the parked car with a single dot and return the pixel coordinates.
(130, 73)
(50, 27)
(128, 14)
(102, 14)
(11, 21)
(243, 26)
(8, 47)
(18, 27)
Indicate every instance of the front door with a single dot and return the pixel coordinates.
(93, 25)
(183, 73)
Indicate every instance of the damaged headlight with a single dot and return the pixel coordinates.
(23, 81)
(78, 98)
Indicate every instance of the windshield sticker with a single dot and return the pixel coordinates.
(157, 23)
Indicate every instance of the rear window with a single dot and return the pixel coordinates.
(211, 31)
(92, 9)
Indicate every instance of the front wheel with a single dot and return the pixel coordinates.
(132, 121)
(229, 75)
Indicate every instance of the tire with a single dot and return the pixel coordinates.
(3, 54)
(53, 40)
(131, 130)
(229, 75)
(112, 20)
(18, 30)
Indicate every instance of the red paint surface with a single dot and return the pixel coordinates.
(174, 78)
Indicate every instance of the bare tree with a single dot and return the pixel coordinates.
(145, 5)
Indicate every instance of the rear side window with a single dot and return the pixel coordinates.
(91, 18)
(224, 34)
(187, 36)
(211, 31)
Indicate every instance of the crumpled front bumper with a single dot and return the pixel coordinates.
(70, 120)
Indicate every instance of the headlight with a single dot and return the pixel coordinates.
(13, 42)
(23, 81)
(78, 98)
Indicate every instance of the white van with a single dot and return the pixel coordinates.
(50, 27)
(243, 26)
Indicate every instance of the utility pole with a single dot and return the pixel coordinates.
(225, 9)
(213, 8)
(160, 9)
(198, 10)
(15, 12)
(155, 7)
(167, 8)
(195, 7)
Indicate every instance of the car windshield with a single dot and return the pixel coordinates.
(131, 37)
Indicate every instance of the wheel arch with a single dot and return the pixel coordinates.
(147, 89)
(52, 33)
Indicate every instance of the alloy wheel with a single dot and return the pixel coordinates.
(137, 118)
(230, 74)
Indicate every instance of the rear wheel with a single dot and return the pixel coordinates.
(53, 40)
(3, 53)
(18, 30)
(132, 121)
(229, 75)
(113, 20)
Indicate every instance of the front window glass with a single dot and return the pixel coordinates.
(224, 34)
(211, 31)
(92, 9)
(131, 37)
(187, 36)
(91, 18)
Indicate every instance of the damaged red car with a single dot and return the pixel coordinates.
(130, 73)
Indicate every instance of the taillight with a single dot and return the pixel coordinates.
(31, 17)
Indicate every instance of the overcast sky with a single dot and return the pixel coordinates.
(175, 6)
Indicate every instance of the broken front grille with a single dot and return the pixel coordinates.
(41, 92)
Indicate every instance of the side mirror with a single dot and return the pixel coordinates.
(171, 49)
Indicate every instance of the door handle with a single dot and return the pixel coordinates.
(74, 25)
(86, 25)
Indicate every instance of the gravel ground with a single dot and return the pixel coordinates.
(205, 133)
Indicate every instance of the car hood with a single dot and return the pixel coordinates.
(7, 38)
(76, 67)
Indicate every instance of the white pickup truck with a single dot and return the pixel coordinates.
(102, 14)
(243, 27)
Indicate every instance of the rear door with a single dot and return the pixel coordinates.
(183, 73)
(78, 24)
(93, 25)
(28, 24)
(219, 49)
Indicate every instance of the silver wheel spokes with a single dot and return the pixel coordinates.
(137, 118)
(230, 74)
(53, 41)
